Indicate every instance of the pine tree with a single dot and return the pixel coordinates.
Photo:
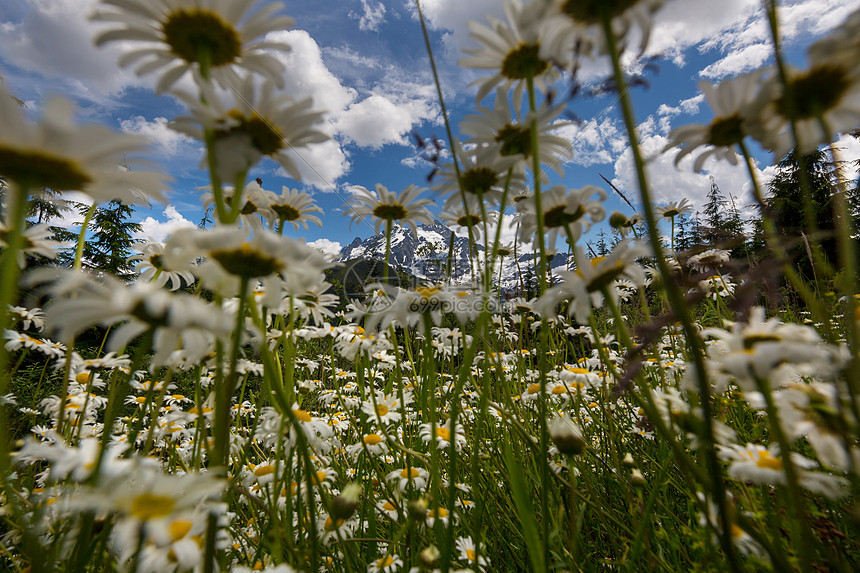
(683, 237)
(111, 241)
(787, 206)
(46, 204)
(601, 246)
(714, 231)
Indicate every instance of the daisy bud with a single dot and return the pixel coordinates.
(566, 436)
(344, 505)
(636, 478)
(428, 557)
(417, 509)
(628, 461)
(617, 219)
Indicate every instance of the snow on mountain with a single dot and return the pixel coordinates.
(426, 255)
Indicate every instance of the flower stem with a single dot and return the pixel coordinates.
(82, 237)
(674, 295)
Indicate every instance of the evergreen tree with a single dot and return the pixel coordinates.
(683, 237)
(46, 204)
(601, 246)
(113, 235)
(787, 206)
(713, 232)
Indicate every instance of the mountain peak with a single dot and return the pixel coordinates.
(425, 256)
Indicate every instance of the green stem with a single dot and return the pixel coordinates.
(224, 392)
(795, 500)
(536, 174)
(388, 226)
(82, 237)
(675, 296)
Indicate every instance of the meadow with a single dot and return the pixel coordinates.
(648, 409)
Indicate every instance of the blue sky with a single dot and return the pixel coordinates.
(365, 63)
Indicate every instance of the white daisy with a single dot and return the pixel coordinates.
(510, 134)
(294, 207)
(150, 264)
(384, 206)
(732, 101)
(178, 320)
(213, 37)
(573, 210)
(512, 50)
(574, 27)
(258, 123)
(58, 154)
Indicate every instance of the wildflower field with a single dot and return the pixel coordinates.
(651, 409)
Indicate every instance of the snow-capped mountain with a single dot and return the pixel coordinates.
(425, 256)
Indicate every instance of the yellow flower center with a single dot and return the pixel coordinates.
(179, 529)
(302, 415)
(390, 211)
(407, 473)
(372, 439)
(381, 409)
(575, 370)
(385, 561)
(765, 460)
(264, 470)
(426, 292)
(443, 433)
(148, 506)
(534, 388)
(201, 35)
(246, 261)
(37, 169)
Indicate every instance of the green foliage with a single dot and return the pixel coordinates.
(112, 239)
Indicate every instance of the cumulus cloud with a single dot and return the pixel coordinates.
(454, 14)
(689, 106)
(383, 118)
(54, 39)
(671, 183)
(169, 143)
(157, 231)
(382, 114)
(331, 248)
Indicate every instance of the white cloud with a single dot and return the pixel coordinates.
(745, 40)
(372, 16)
(383, 114)
(454, 14)
(383, 118)
(54, 39)
(848, 152)
(328, 247)
(308, 74)
(157, 231)
(595, 141)
(169, 143)
(744, 60)
(668, 183)
(320, 164)
(688, 106)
